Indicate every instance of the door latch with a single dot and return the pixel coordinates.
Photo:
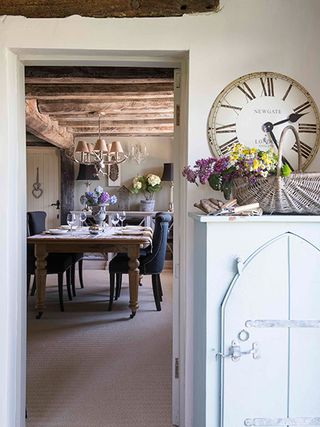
(57, 204)
(235, 351)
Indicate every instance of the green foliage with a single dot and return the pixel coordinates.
(285, 170)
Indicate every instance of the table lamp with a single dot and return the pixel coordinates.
(87, 173)
(168, 176)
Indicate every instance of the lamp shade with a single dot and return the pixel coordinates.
(82, 147)
(101, 145)
(167, 172)
(116, 147)
(87, 173)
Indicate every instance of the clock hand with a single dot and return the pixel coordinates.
(292, 118)
(268, 126)
(274, 140)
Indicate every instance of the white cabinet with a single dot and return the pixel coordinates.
(256, 321)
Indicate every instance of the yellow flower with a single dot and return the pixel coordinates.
(255, 164)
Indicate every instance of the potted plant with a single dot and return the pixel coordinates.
(147, 184)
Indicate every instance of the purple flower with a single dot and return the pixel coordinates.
(189, 174)
(201, 171)
(104, 197)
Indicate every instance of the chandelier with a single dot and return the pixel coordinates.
(99, 154)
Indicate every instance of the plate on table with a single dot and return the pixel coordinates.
(57, 231)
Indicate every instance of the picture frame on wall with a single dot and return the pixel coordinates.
(114, 176)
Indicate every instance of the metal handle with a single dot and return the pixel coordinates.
(56, 204)
(235, 352)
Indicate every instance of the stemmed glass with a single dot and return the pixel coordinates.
(71, 219)
(122, 217)
(115, 219)
(82, 218)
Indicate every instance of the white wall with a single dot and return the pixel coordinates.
(160, 150)
(246, 36)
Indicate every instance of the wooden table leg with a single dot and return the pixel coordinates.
(41, 275)
(133, 254)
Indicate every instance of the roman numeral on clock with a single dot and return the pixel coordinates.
(231, 128)
(302, 107)
(247, 91)
(305, 149)
(307, 128)
(287, 93)
(267, 86)
(228, 145)
(233, 107)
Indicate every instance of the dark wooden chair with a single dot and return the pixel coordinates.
(151, 262)
(56, 263)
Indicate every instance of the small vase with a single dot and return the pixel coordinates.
(147, 205)
(99, 214)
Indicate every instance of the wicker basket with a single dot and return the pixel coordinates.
(298, 193)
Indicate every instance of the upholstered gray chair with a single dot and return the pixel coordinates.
(151, 262)
(56, 263)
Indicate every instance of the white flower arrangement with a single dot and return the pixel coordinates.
(147, 184)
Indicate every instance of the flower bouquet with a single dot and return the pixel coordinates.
(148, 185)
(97, 197)
(98, 200)
(240, 161)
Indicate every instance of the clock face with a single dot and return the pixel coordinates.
(254, 109)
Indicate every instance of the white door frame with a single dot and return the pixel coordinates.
(16, 354)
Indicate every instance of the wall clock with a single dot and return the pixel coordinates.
(262, 102)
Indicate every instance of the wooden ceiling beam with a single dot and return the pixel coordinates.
(118, 123)
(106, 8)
(93, 81)
(103, 96)
(45, 128)
(81, 72)
(80, 106)
(65, 120)
(133, 134)
(123, 129)
(98, 90)
(129, 132)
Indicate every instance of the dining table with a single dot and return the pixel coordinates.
(79, 241)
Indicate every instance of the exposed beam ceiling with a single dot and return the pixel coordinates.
(45, 128)
(106, 8)
(135, 101)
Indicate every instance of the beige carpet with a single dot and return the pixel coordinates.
(88, 367)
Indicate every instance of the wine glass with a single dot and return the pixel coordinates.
(71, 219)
(122, 217)
(82, 218)
(115, 219)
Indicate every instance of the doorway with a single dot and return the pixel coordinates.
(44, 183)
(179, 156)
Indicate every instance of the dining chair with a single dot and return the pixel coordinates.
(56, 263)
(151, 262)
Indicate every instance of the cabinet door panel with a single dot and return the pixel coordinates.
(256, 388)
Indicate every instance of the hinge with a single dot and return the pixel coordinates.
(176, 367)
(177, 115)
